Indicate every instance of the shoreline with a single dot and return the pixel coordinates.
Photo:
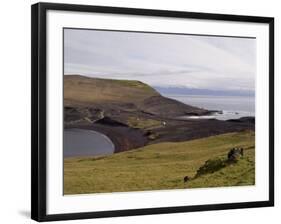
(126, 138)
(123, 138)
(133, 114)
(72, 152)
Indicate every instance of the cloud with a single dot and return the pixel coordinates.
(221, 63)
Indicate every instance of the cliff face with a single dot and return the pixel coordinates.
(89, 99)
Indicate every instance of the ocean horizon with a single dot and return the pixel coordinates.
(232, 107)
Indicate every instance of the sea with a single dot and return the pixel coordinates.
(232, 107)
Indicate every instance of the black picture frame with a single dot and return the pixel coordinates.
(39, 124)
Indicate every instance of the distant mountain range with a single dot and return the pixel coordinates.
(194, 91)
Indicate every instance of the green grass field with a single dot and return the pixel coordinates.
(163, 166)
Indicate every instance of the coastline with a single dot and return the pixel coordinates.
(126, 138)
(133, 114)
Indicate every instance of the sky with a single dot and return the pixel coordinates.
(163, 60)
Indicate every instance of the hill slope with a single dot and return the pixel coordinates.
(132, 114)
(115, 96)
(163, 166)
(95, 90)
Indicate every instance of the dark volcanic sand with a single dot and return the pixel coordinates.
(127, 138)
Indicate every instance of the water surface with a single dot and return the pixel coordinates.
(81, 142)
(232, 107)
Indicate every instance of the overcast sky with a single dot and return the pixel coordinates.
(217, 63)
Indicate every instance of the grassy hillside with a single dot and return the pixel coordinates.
(162, 166)
(95, 90)
(113, 96)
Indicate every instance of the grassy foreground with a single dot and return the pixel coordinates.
(163, 166)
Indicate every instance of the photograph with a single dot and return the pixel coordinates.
(147, 111)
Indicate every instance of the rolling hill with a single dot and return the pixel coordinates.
(154, 148)
(82, 89)
(115, 96)
(133, 114)
(163, 166)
